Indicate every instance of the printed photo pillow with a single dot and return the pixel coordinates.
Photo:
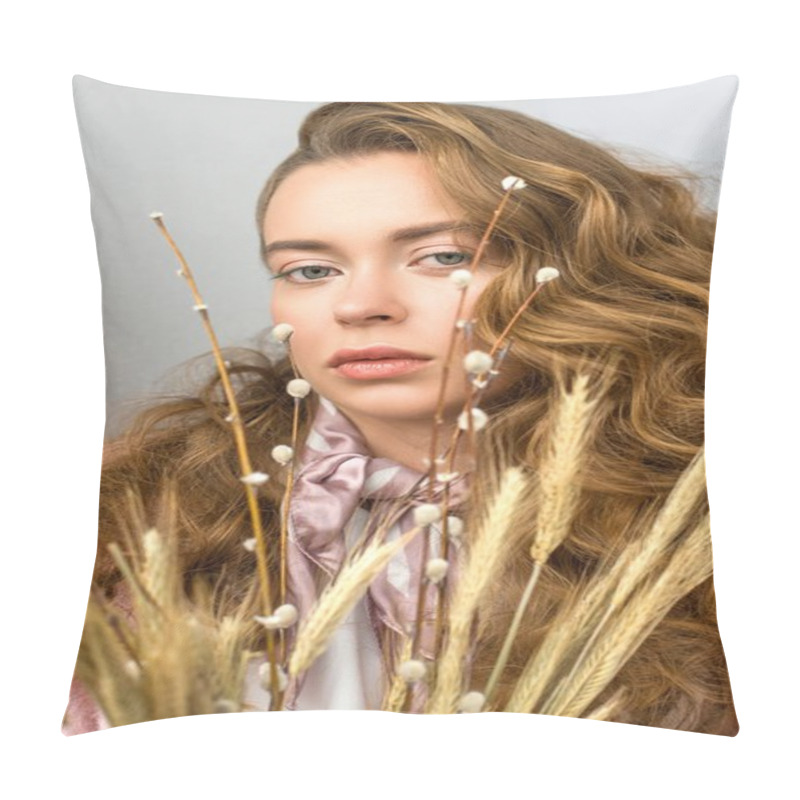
(405, 407)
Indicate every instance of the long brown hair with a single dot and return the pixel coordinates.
(633, 248)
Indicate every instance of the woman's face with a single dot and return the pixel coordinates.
(362, 250)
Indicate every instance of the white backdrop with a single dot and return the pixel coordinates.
(53, 390)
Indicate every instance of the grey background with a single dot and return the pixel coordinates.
(202, 160)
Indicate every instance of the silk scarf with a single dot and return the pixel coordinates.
(336, 474)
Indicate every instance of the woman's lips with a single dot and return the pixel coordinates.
(376, 361)
(372, 353)
(372, 369)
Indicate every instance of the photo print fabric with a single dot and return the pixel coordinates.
(405, 407)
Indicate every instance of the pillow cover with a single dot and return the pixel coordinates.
(287, 526)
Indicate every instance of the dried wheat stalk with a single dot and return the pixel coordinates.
(339, 598)
(486, 561)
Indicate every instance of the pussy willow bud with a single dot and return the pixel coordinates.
(255, 478)
(282, 617)
(546, 274)
(461, 278)
(471, 702)
(436, 569)
(282, 331)
(283, 454)
(479, 419)
(298, 387)
(455, 526)
(287, 614)
(477, 361)
(411, 671)
(427, 513)
(265, 673)
(513, 183)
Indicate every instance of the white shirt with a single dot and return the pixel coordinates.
(347, 676)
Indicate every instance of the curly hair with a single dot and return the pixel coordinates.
(633, 248)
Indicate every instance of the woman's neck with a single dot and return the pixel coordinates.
(408, 442)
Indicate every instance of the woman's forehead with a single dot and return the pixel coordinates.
(398, 189)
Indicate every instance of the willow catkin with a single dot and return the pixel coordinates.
(486, 561)
(339, 598)
(396, 695)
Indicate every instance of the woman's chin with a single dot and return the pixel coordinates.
(388, 406)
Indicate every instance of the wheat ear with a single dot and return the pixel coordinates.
(339, 598)
(610, 708)
(558, 499)
(641, 558)
(645, 553)
(583, 621)
(690, 565)
(485, 563)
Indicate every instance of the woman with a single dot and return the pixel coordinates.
(362, 229)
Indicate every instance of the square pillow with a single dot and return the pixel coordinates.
(418, 423)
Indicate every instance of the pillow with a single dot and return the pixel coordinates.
(284, 526)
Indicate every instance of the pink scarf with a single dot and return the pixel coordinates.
(335, 475)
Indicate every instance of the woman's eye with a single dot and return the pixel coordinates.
(449, 258)
(313, 272)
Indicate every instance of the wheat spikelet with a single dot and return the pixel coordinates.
(593, 605)
(134, 591)
(230, 660)
(216, 647)
(641, 558)
(485, 564)
(610, 708)
(158, 573)
(154, 653)
(338, 599)
(690, 565)
(546, 661)
(558, 485)
(647, 551)
(102, 662)
(235, 631)
(558, 494)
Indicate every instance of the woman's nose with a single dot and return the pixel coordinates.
(368, 299)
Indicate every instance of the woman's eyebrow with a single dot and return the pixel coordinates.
(420, 231)
(295, 244)
(400, 235)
